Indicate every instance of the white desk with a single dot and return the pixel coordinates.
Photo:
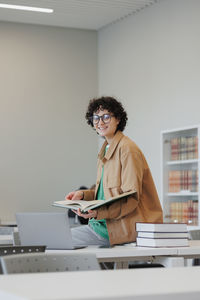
(122, 255)
(190, 252)
(143, 284)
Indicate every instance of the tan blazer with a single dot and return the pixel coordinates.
(125, 169)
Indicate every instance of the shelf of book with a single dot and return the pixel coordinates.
(180, 190)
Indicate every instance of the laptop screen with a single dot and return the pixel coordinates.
(50, 229)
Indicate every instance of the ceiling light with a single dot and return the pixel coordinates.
(29, 8)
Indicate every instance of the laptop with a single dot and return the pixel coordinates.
(49, 229)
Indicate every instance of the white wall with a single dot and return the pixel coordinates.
(47, 76)
(150, 61)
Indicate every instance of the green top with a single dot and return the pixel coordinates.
(99, 226)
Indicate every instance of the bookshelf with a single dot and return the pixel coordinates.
(180, 187)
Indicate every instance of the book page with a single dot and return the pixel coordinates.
(111, 200)
(82, 204)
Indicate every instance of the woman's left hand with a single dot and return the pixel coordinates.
(90, 214)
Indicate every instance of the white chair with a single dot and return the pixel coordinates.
(13, 250)
(8, 250)
(48, 262)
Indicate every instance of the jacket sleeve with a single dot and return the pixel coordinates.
(88, 194)
(132, 169)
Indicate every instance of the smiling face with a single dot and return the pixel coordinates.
(107, 124)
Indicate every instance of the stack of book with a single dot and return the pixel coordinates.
(162, 235)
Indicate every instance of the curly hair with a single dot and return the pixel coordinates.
(112, 105)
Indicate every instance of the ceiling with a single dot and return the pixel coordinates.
(82, 14)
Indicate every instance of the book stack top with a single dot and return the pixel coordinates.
(162, 235)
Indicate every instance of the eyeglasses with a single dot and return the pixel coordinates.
(105, 118)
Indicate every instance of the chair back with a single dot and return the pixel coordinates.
(13, 250)
(48, 262)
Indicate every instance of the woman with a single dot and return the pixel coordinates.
(121, 167)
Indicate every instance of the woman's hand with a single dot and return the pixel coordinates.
(90, 214)
(77, 195)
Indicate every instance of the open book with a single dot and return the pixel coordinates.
(91, 204)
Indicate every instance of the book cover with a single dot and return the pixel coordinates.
(91, 204)
(174, 148)
(148, 242)
(163, 235)
(196, 147)
(162, 227)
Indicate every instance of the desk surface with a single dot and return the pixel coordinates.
(151, 284)
(123, 255)
(128, 251)
(193, 250)
(121, 251)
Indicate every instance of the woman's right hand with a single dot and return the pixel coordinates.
(77, 195)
